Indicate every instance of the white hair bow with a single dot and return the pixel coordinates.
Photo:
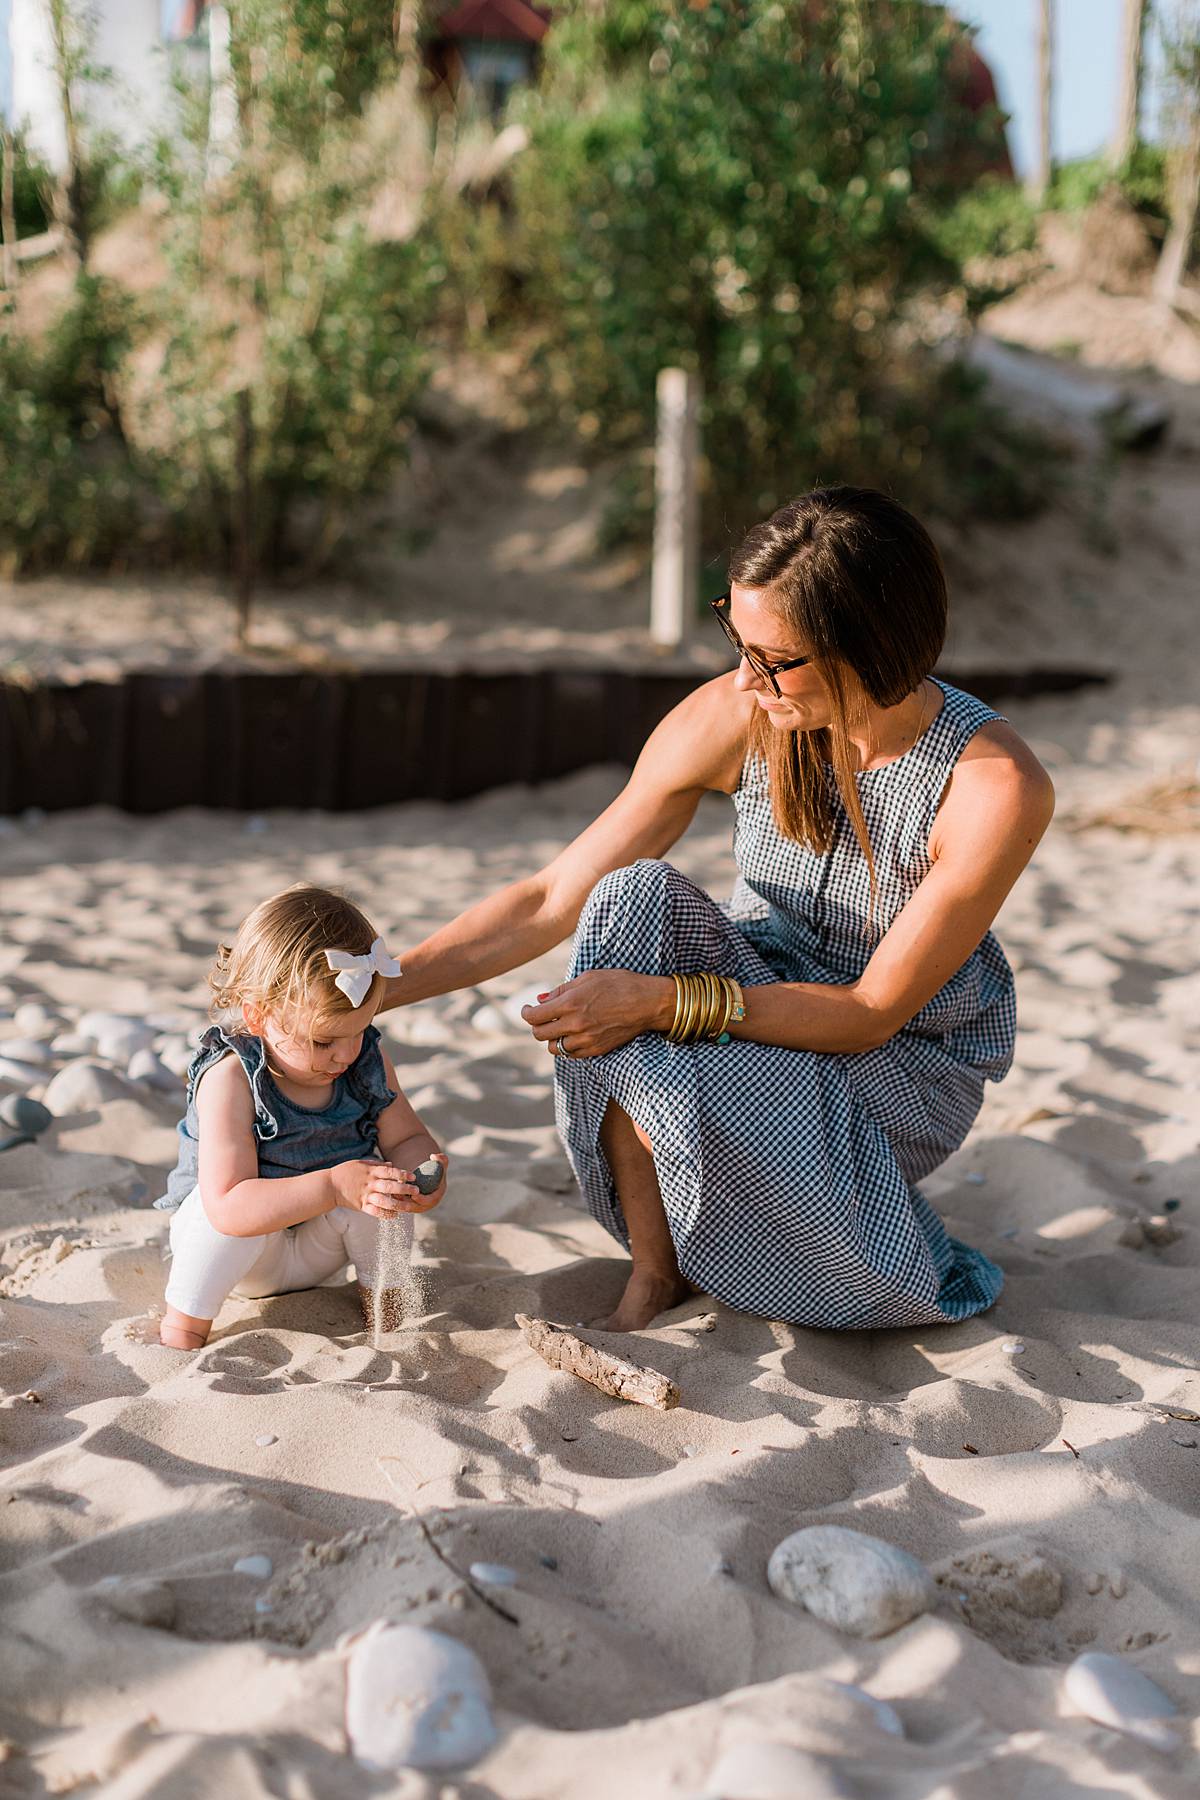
(358, 972)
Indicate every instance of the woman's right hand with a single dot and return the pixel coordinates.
(370, 1186)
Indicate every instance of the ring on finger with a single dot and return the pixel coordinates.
(562, 1049)
(553, 1046)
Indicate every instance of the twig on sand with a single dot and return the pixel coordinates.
(613, 1375)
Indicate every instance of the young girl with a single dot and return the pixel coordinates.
(297, 1141)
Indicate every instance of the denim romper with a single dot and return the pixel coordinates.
(291, 1139)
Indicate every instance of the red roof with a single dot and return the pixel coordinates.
(513, 21)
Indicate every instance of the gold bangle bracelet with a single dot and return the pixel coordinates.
(683, 1035)
(678, 1005)
(711, 1002)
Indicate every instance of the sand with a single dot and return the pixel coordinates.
(646, 1641)
(1052, 1493)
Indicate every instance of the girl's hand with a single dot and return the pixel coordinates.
(373, 1187)
(600, 1010)
(414, 1200)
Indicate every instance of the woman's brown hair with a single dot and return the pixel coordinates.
(859, 585)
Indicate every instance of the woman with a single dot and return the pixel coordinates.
(882, 817)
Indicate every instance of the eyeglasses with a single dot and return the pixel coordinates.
(766, 671)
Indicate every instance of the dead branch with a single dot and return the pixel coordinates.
(613, 1375)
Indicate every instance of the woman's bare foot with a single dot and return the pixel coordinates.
(179, 1331)
(647, 1293)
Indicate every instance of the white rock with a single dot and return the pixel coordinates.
(489, 1019)
(258, 1566)
(765, 1771)
(176, 1053)
(526, 996)
(494, 1574)
(35, 1019)
(264, 1438)
(416, 1699)
(115, 1035)
(27, 1049)
(70, 1043)
(147, 1068)
(1015, 1348)
(83, 1085)
(851, 1581)
(21, 1074)
(1111, 1691)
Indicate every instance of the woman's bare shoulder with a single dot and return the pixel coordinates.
(708, 731)
(998, 770)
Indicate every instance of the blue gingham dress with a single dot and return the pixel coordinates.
(789, 1176)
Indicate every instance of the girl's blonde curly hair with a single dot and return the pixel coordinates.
(277, 961)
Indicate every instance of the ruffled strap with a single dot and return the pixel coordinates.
(367, 1080)
(218, 1043)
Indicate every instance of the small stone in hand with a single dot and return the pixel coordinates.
(428, 1176)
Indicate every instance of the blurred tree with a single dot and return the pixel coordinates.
(1180, 29)
(743, 188)
(1134, 14)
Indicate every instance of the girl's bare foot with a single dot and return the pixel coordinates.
(647, 1293)
(179, 1331)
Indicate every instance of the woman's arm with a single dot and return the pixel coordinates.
(698, 747)
(238, 1201)
(996, 808)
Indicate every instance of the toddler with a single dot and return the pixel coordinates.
(297, 1141)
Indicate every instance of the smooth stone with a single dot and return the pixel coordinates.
(428, 1176)
(853, 1582)
(489, 1019)
(1013, 1349)
(259, 1566)
(416, 1699)
(70, 1043)
(494, 1574)
(177, 1054)
(24, 1114)
(33, 1018)
(27, 1049)
(146, 1067)
(83, 1085)
(119, 1045)
(264, 1438)
(765, 1771)
(21, 1074)
(1111, 1691)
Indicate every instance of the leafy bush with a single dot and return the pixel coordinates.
(1143, 181)
(70, 492)
(995, 218)
(730, 188)
(33, 185)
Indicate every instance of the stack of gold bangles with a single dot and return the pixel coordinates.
(705, 1007)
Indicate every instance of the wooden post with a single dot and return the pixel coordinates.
(676, 513)
(1044, 169)
(243, 510)
(8, 216)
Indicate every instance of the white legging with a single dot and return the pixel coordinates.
(207, 1266)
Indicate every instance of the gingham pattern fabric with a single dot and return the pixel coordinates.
(788, 1176)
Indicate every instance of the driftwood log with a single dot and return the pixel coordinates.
(613, 1375)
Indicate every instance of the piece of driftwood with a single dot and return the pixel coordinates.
(613, 1375)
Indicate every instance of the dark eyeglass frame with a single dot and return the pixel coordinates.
(766, 671)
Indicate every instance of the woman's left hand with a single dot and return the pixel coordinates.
(601, 1010)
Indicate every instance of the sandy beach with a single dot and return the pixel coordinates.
(1051, 1493)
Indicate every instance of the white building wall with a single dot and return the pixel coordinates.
(127, 42)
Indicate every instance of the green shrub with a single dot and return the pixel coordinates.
(993, 219)
(1143, 181)
(731, 189)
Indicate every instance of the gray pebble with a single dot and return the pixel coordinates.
(258, 1566)
(20, 1073)
(428, 1176)
(27, 1049)
(494, 1574)
(24, 1115)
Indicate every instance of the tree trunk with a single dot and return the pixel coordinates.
(8, 217)
(1044, 166)
(1129, 95)
(69, 208)
(1184, 188)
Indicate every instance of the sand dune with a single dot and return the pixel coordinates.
(1052, 1493)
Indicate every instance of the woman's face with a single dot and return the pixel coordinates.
(802, 703)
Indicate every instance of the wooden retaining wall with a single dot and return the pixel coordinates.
(251, 740)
